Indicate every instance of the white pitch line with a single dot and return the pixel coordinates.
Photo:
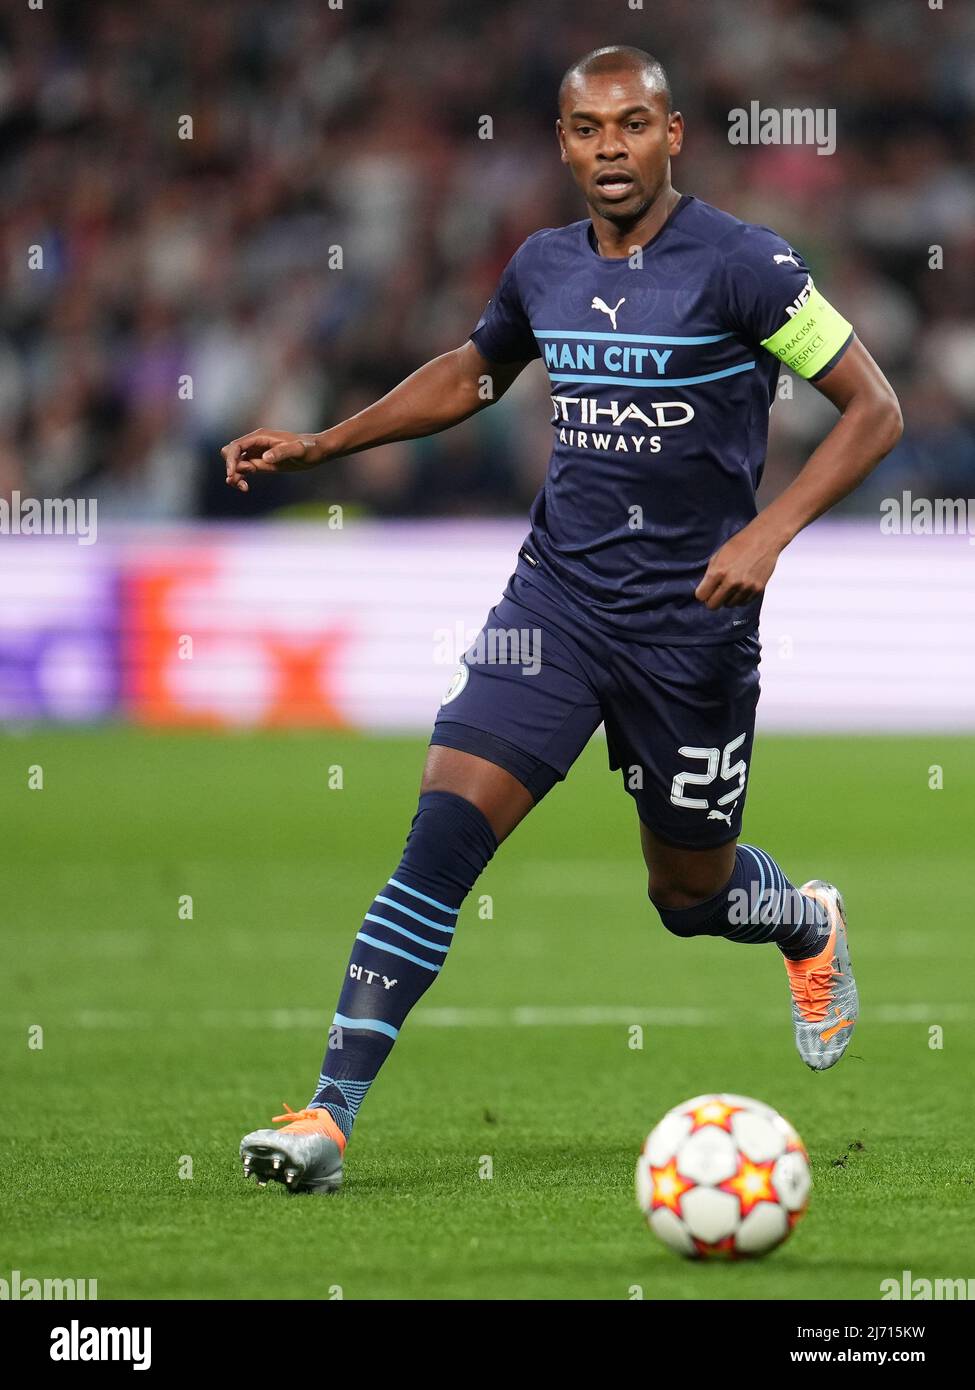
(565, 1016)
(524, 1016)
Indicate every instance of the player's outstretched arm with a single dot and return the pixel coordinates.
(441, 393)
(869, 426)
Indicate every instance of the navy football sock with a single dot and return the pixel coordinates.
(401, 946)
(757, 904)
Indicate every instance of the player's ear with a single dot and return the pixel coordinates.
(560, 132)
(675, 132)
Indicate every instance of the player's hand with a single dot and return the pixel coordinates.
(270, 451)
(739, 571)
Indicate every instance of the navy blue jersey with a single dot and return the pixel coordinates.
(663, 369)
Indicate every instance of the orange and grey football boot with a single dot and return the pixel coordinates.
(305, 1154)
(824, 993)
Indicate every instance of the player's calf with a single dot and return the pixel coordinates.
(397, 954)
(759, 904)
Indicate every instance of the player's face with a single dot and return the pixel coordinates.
(617, 137)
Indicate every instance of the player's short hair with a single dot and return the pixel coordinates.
(618, 58)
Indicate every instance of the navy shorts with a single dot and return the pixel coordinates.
(539, 680)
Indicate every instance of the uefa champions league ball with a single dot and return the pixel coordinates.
(723, 1175)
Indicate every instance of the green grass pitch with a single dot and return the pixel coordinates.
(166, 1039)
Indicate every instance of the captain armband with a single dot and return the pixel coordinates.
(813, 336)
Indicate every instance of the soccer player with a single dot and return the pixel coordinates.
(663, 323)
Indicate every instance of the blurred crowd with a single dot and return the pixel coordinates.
(180, 180)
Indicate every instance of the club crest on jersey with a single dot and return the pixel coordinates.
(457, 683)
(604, 308)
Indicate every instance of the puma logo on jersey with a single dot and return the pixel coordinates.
(604, 308)
(719, 815)
(789, 259)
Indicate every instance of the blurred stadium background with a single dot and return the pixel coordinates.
(202, 622)
(187, 295)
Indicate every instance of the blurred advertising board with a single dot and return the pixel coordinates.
(362, 627)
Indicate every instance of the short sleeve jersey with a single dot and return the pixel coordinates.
(663, 369)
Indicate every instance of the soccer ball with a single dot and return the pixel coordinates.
(723, 1175)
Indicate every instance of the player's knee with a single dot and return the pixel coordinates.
(681, 905)
(449, 844)
(496, 793)
(675, 890)
(686, 886)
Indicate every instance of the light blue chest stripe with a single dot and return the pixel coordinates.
(647, 381)
(627, 337)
